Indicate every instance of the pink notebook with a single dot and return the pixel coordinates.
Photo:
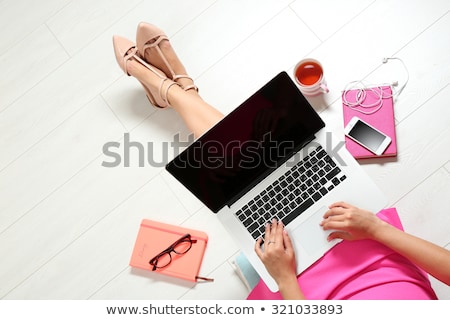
(383, 119)
(154, 237)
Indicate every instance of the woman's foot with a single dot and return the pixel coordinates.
(155, 82)
(155, 48)
(152, 81)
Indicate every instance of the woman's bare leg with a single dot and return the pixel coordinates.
(198, 115)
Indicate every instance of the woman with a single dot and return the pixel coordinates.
(384, 262)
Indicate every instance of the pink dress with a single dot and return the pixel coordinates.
(362, 269)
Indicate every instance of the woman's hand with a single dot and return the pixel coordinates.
(351, 223)
(278, 257)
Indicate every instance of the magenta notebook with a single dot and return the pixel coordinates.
(383, 119)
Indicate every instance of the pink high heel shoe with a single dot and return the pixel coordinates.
(126, 50)
(150, 36)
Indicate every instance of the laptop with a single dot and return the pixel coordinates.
(273, 157)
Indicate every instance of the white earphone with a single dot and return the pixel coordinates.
(395, 83)
(377, 90)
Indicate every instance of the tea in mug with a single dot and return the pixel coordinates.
(308, 73)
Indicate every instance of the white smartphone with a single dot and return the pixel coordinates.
(366, 135)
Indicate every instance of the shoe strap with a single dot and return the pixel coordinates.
(161, 54)
(190, 87)
(163, 92)
(134, 55)
(185, 76)
(127, 57)
(174, 77)
(153, 69)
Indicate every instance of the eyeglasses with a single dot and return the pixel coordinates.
(181, 246)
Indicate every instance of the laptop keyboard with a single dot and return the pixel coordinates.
(291, 194)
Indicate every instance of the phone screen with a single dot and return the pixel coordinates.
(368, 136)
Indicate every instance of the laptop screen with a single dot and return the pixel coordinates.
(247, 144)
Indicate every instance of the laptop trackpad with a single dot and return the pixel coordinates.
(310, 234)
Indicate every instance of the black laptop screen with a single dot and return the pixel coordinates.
(247, 144)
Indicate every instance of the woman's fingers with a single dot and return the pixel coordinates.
(339, 235)
(258, 249)
(287, 241)
(267, 234)
(273, 236)
(340, 204)
(279, 233)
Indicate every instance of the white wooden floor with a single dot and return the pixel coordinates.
(68, 224)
